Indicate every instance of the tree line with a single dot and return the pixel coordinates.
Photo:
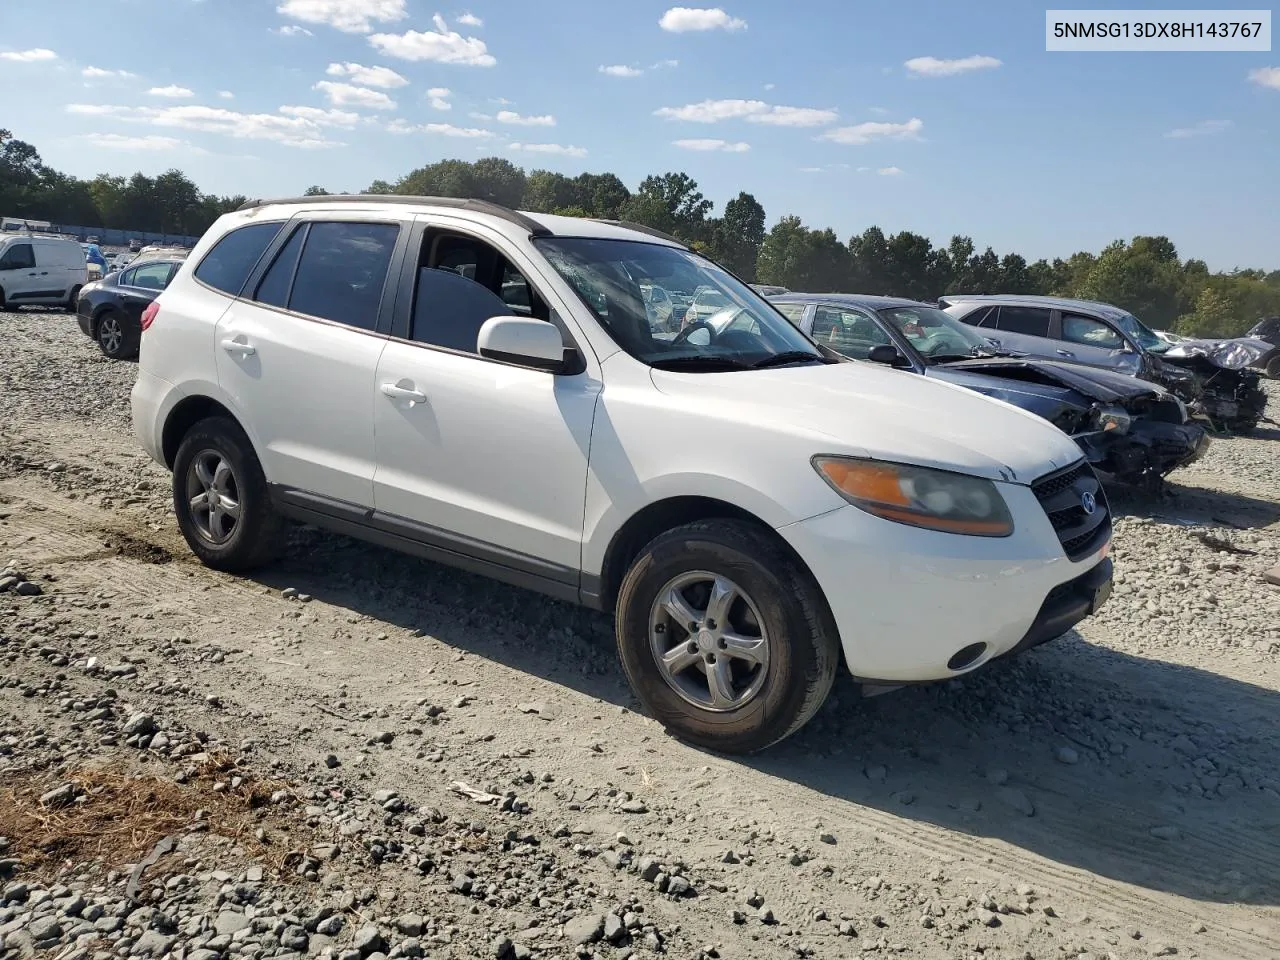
(1145, 275)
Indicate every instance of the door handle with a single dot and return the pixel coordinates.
(397, 392)
(1065, 353)
(239, 346)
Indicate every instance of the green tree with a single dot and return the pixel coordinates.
(686, 207)
(315, 191)
(738, 235)
(802, 259)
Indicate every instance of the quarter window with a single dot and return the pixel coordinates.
(792, 311)
(18, 257)
(154, 276)
(342, 271)
(1029, 320)
(275, 286)
(227, 266)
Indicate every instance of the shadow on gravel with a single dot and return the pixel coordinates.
(1157, 784)
(1195, 505)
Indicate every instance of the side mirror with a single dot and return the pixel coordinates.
(524, 342)
(887, 354)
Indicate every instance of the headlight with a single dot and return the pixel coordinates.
(1111, 419)
(919, 496)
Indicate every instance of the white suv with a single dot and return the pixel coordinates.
(483, 388)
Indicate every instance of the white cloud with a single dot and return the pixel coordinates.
(479, 116)
(117, 141)
(383, 77)
(173, 92)
(621, 70)
(890, 171)
(349, 16)
(769, 86)
(322, 117)
(878, 111)
(756, 111)
(440, 129)
(687, 19)
(666, 64)
(549, 148)
(812, 170)
(98, 73)
(291, 131)
(933, 67)
(439, 98)
(712, 144)
(515, 119)
(441, 45)
(29, 56)
(1263, 76)
(346, 95)
(501, 101)
(1204, 128)
(875, 130)
(226, 95)
(293, 30)
(470, 20)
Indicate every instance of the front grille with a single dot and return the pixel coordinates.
(1062, 495)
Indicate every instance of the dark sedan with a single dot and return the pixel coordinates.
(1132, 429)
(110, 309)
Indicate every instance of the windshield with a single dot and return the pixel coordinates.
(1140, 333)
(937, 336)
(608, 275)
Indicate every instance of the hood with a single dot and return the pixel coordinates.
(1233, 354)
(1094, 383)
(864, 409)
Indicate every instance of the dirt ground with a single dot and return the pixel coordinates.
(1113, 793)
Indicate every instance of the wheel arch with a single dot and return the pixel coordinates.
(186, 414)
(657, 518)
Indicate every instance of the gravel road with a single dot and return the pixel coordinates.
(361, 755)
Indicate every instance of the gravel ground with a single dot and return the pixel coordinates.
(360, 755)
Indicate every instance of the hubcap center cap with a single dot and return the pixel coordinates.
(707, 640)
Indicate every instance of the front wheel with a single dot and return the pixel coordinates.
(221, 498)
(72, 301)
(724, 638)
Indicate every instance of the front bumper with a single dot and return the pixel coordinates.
(914, 605)
(1067, 604)
(1149, 448)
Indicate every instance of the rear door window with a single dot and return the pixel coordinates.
(1090, 332)
(153, 276)
(343, 270)
(227, 266)
(1032, 321)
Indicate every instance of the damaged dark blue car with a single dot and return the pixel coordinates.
(1133, 430)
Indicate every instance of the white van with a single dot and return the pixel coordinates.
(42, 270)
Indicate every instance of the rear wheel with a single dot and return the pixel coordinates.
(724, 638)
(117, 336)
(221, 499)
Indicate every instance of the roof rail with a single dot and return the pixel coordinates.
(641, 228)
(479, 206)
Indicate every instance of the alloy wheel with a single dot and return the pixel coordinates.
(214, 496)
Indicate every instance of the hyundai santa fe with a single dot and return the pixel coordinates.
(484, 388)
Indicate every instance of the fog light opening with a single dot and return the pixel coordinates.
(966, 656)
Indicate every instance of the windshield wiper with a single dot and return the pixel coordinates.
(710, 361)
(790, 356)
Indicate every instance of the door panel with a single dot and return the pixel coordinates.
(491, 453)
(1089, 340)
(18, 274)
(305, 389)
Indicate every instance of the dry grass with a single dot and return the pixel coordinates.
(121, 815)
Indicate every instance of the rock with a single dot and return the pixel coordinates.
(587, 928)
(139, 724)
(229, 922)
(62, 796)
(615, 931)
(28, 589)
(462, 883)
(330, 926)
(1272, 576)
(153, 943)
(1066, 755)
(331, 761)
(827, 838)
(765, 916)
(633, 806)
(294, 938)
(1012, 797)
(1166, 833)
(678, 886)
(410, 924)
(649, 869)
(368, 939)
(504, 949)
(1165, 950)
(44, 928)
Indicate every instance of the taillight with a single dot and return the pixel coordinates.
(149, 315)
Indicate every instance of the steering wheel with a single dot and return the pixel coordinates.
(684, 334)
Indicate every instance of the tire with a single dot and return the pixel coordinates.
(256, 536)
(72, 301)
(1273, 368)
(771, 695)
(3, 305)
(118, 337)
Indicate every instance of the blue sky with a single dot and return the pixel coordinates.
(938, 117)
